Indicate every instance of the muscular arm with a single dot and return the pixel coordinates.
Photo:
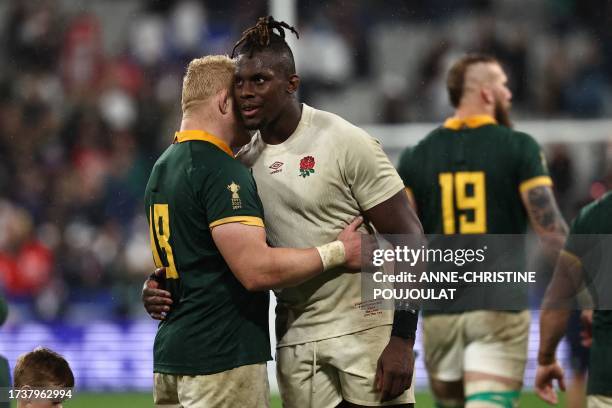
(395, 216)
(548, 223)
(554, 316)
(546, 219)
(552, 327)
(553, 323)
(396, 364)
(256, 265)
(552, 230)
(559, 299)
(259, 267)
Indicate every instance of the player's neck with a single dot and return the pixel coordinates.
(281, 129)
(467, 111)
(209, 126)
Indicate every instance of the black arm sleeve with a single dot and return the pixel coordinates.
(405, 323)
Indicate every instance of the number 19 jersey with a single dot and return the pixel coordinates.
(466, 177)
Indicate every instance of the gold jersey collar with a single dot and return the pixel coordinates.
(469, 122)
(187, 135)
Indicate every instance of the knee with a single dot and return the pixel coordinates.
(448, 394)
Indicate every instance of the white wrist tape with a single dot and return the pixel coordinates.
(332, 254)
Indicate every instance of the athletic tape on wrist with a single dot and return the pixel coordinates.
(332, 254)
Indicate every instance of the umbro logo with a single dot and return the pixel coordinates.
(276, 167)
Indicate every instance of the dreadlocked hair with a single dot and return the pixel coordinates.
(262, 36)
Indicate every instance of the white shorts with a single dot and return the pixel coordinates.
(322, 373)
(245, 387)
(489, 342)
(599, 401)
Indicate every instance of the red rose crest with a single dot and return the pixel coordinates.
(307, 166)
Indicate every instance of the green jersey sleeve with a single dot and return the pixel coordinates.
(589, 227)
(230, 195)
(532, 168)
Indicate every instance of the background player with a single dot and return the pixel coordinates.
(313, 169)
(584, 258)
(475, 175)
(42, 369)
(206, 228)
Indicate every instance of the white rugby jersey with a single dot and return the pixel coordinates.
(311, 186)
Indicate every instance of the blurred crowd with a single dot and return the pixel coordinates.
(90, 95)
(80, 127)
(557, 53)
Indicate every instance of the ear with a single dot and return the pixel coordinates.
(225, 103)
(487, 96)
(294, 84)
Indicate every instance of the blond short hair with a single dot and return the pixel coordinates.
(206, 77)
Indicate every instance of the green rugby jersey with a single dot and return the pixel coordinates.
(466, 178)
(596, 218)
(215, 324)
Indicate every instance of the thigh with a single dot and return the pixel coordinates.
(305, 380)
(497, 343)
(244, 386)
(443, 345)
(165, 392)
(495, 358)
(355, 357)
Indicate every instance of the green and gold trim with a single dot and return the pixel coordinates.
(570, 257)
(469, 122)
(535, 182)
(189, 135)
(242, 219)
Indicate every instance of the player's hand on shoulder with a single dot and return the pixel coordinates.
(545, 375)
(351, 238)
(156, 300)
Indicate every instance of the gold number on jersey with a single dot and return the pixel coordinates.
(455, 189)
(159, 227)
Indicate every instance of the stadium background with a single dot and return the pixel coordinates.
(89, 97)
